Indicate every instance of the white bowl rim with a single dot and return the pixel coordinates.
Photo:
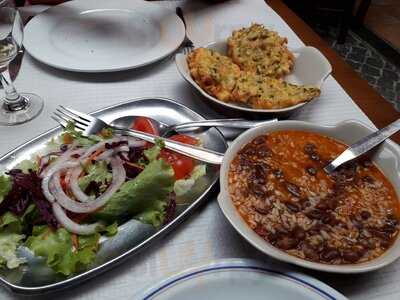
(190, 80)
(248, 234)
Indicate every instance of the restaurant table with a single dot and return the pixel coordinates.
(205, 235)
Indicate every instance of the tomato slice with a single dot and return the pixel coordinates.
(144, 124)
(184, 139)
(181, 164)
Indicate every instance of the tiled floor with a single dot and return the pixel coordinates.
(383, 18)
(376, 69)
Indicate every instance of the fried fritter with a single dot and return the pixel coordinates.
(270, 93)
(262, 51)
(221, 78)
(215, 73)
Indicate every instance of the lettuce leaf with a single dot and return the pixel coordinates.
(10, 223)
(58, 249)
(98, 173)
(5, 186)
(154, 215)
(27, 164)
(30, 215)
(183, 186)
(152, 153)
(10, 238)
(8, 246)
(110, 230)
(146, 192)
(71, 133)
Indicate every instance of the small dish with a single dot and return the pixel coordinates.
(311, 68)
(387, 158)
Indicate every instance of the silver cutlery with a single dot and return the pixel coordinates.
(187, 44)
(363, 145)
(91, 125)
(166, 130)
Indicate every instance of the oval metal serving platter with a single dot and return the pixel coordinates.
(35, 277)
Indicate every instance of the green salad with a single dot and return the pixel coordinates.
(59, 203)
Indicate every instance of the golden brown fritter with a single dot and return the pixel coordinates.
(261, 51)
(221, 78)
(213, 72)
(270, 93)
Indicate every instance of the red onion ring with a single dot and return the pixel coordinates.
(86, 205)
(63, 158)
(133, 142)
(74, 184)
(100, 145)
(49, 174)
(71, 226)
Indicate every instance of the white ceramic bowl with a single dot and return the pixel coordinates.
(311, 68)
(387, 157)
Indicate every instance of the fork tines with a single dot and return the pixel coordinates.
(63, 115)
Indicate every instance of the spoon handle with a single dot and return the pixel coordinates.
(231, 123)
(363, 145)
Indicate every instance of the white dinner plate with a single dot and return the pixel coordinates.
(103, 35)
(240, 279)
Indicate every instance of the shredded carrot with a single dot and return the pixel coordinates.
(134, 165)
(67, 138)
(63, 183)
(75, 240)
(38, 160)
(95, 154)
(47, 232)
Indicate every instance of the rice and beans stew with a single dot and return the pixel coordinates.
(278, 185)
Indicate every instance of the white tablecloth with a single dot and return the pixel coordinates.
(206, 235)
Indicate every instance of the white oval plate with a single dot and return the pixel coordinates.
(311, 68)
(240, 279)
(103, 35)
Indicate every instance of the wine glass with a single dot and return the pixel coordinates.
(15, 108)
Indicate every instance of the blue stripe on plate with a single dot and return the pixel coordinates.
(286, 276)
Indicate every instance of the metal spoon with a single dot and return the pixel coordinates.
(166, 130)
(363, 145)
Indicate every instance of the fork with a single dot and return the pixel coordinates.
(187, 44)
(90, 125)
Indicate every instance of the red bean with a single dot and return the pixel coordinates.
(278, 173)
(309, 148)
(365, 215)
(298, 233)
(262, 208)
(261, 231)
(310, 253)
(350, 256)
(312, 171)
(260, 140)
(293, 207)
(329, 254)
(263, 151)
(314, 214)
(293, 189)
(286, 242)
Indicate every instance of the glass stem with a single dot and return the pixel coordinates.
(12, 101)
